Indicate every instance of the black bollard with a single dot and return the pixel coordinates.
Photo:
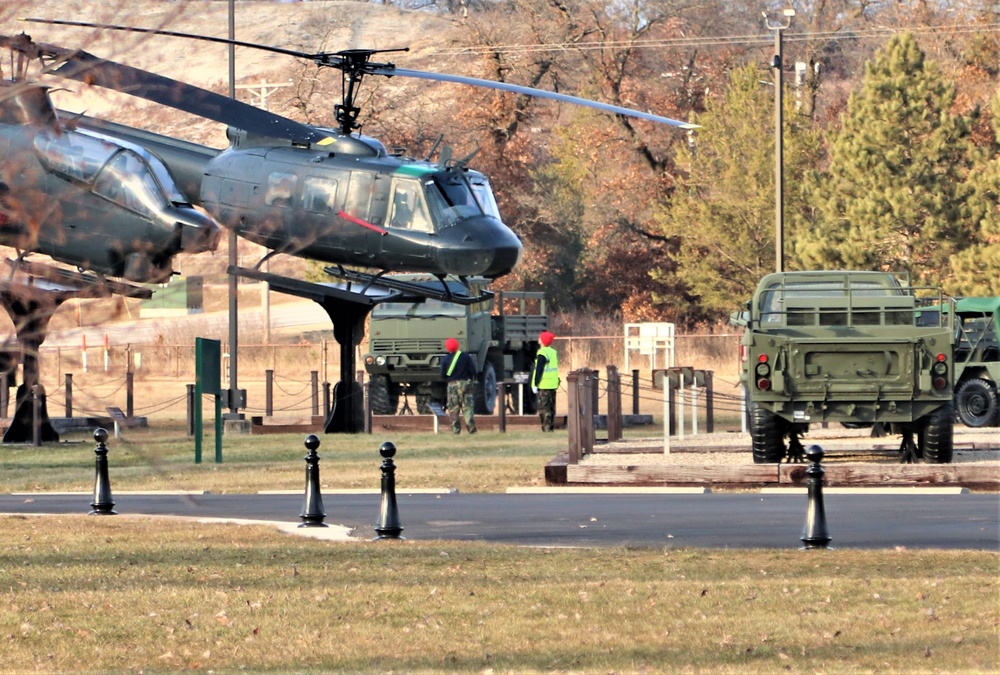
(815, 534)
(102, 504)
(388, 526)
(312, 506)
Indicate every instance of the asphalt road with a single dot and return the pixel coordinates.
(745, 520)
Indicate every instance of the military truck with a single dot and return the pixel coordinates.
(860, 348)
(977, 361)
(406, 346)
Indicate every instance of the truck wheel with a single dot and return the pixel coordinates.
(767, 431)
(383, 400)
(936, 441)
(976, 400)
(486, 391)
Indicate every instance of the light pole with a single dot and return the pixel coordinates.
(234, 331)
(778, 25)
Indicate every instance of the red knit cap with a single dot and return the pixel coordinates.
(451, 344)
(546, 338)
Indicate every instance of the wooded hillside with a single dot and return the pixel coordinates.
(890, 147)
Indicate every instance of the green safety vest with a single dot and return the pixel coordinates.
(550, 376)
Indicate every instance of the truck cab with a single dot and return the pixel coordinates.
(406, 347)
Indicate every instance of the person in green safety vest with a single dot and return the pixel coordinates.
(459, 369)
(545, 380)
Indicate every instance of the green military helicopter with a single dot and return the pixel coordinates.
(95, 202)
(332, 195)
(103, 205)
(326, 194)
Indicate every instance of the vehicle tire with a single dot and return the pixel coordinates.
(381, 398)
(977, 403)
(767, 431)
(486, 390)
(936, 441)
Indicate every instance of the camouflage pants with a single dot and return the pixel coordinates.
(547, 407)
(461, 404)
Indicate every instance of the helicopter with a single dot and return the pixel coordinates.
(331, 195)
(328, 194)
(86, 199)
(105, 206)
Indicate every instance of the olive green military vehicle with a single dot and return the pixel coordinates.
(977, 361)
(406, 346)
(860, 348)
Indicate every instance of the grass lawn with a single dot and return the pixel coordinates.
(84, 594)
(135, 594)
(162, 458)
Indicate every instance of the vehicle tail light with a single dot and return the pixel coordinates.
(763, 372)
(940, 372)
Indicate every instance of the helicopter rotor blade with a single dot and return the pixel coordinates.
(355, 61)
(392, 71)
(90, 69)
(341, 60)
(171, 33)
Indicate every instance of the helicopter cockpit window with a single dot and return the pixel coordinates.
(72, 154)
(127, 180)
(484, 194)
(280, 188)
(319, 194)
(451, 197)
(407, 204)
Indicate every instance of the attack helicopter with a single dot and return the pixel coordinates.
(103, 205)
(83, 198)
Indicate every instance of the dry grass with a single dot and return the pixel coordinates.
(86, 594)
(163, 458)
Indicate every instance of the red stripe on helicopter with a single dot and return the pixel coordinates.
(363, 223)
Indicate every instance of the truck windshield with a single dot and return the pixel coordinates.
(428, 308)
(773, 301)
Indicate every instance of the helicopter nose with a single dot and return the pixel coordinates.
(507, 255)
(199, 232)
(479, 246)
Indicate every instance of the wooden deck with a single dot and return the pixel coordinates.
(841, 467)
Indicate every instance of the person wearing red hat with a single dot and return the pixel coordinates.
(545, 381)
(459, 370)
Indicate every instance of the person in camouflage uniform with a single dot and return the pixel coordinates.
(459, 369)
(545, 380)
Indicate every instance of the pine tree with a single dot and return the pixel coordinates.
(897, 193)
(723, 209)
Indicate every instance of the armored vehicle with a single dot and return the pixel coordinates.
(406, 346)
(977, 361)
(860, 348)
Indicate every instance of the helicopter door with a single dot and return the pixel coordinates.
(359, 240)
(410, 222)
(321, 200)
